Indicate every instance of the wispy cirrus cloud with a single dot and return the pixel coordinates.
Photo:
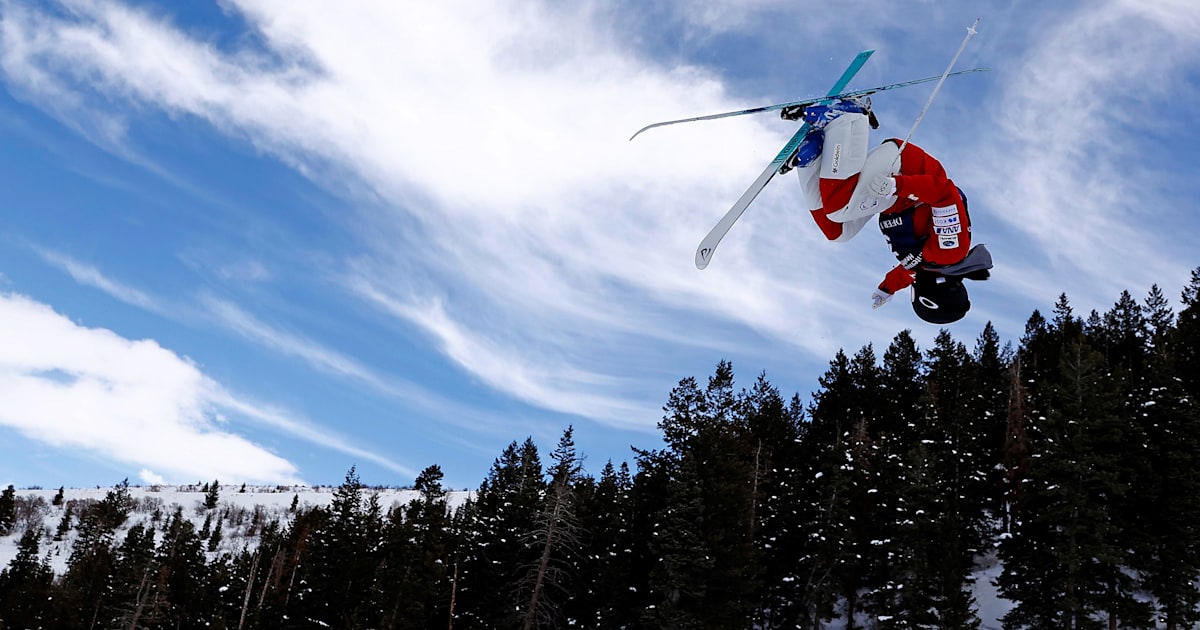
(500, 210)
(561, 224)
(1078, 166)
(554, 383)
(90, 276)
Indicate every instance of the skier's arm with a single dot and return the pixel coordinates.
(948, 241)
(923, 179)
(900, 277)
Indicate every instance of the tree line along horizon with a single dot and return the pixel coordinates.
(1072, 457)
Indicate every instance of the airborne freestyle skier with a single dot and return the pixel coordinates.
(921, 212)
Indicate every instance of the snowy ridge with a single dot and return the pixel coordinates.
(241, 512)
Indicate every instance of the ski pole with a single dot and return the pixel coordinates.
(936, 87)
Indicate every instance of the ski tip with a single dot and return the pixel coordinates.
(651, 126)
(703, 255)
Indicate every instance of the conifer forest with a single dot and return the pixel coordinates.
(1069, 457)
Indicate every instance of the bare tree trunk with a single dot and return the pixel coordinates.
(139, 601)
(544, 563)
(754, 491)
(249, 589)
(272, 573)
(1016, 444)
(453, 593)
(291, 582)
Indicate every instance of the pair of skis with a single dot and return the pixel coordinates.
(708, 246)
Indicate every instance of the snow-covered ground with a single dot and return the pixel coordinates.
(237, 508)
(991, 606)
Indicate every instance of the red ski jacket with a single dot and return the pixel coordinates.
(928, 225)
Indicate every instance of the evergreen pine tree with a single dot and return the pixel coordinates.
(828, 552)
(1169, 494)
(606, 580)
(339, 568)
(26, 587)
(1169, 537)
(1037, 349)
(64, 524)
(132, 581)
(492, 549)
(703, 514)
(903, 387)
(214, 540)
(212, 495)
(1123, 340)
(415, 574)
(1016, 445)
(206, 528)
(85, 585)
(945, 502)
(893, 592)
(1186, 340)
(8, 509)
(778, 518)
(277, 587)
(680, 579)
(1159, 318)
(864, 459)
(1065, 564)
(180, 596)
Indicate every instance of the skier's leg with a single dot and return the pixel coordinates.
(863, 202)
(843, 155)
(810, 181)
(830, 179)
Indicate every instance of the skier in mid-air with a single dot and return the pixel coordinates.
(921, 212)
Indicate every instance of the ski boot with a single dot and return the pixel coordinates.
(808, 151)
(817, 115)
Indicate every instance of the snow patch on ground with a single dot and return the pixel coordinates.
(237, 508)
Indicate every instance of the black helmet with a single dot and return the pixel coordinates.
(939, 299)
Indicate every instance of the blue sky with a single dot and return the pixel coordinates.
(263, 240)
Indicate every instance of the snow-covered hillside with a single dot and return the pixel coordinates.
(240, 510)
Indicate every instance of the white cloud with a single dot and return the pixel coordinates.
(238, 321)
(131, 401)
(151, 478)
(97, 383)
